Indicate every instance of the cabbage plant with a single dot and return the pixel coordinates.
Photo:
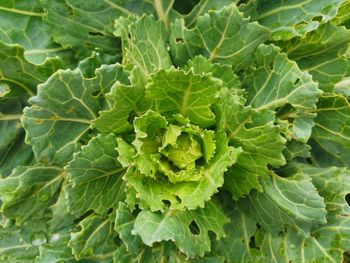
(174, 131)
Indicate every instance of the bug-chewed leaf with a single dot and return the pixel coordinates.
(343, 14)
(24, 18)
(21, 244)
(215, 37)
(277, 206)
(328, 242)
(84, 25)
(260, 139)
(28, 191)
(96, 177)
(329, 66)
(62, 111)
(95, 234)
(21, 76)
(154, 194)
(177, 92)
(276, 82)
(330, 139)
(293, 18)
(188, 229)
(145, 43)
(237, 245)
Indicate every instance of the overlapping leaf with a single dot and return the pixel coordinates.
(178, 92)
(96, 234)
(155, 194)
(223, 36)
(176, 226)
(62, 111)
(20, 75)
(331, 135)
(21, 23)
(96, 177)
(292, 18)
(260, 139)
(275, 82)
(28, 190)
(277, 206)
(329, 66)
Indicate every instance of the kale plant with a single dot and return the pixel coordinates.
(175, 131)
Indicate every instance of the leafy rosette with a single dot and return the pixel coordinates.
(217, 131)
(176, 164)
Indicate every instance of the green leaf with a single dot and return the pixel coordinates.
(56, 250)
(95, 233)
(203, 7)
(19, 74)
(188, 230)
(296, 149)
(237, 245)
(213, 37)
(293, 18)
(328, 242)
(96, 177)
(225, 73)
(274, 82)
(125, 99)
(177, 92)
(329, 66)
(10, 124)
(28, 190)
(292, 201)
(61, 217)
(124, 224)
(144, 43)
(155, 194)
(259, 138)
(18, 154)
(21, 23)
(343, 14)
(62, 111)
(330, 138)
(84, 25)
(21, 244)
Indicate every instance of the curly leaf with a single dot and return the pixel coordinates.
(19, 74)
(188, 230)
(96, 177)
(330, 139)
(329, 66)
(277, 206)
(288, 19)
(214, 37)
(260, 139)
(156, 194)
(62, 111)
(95, 234)
(24, 19)
(28, 191)
(177, 92)
(276, 82)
